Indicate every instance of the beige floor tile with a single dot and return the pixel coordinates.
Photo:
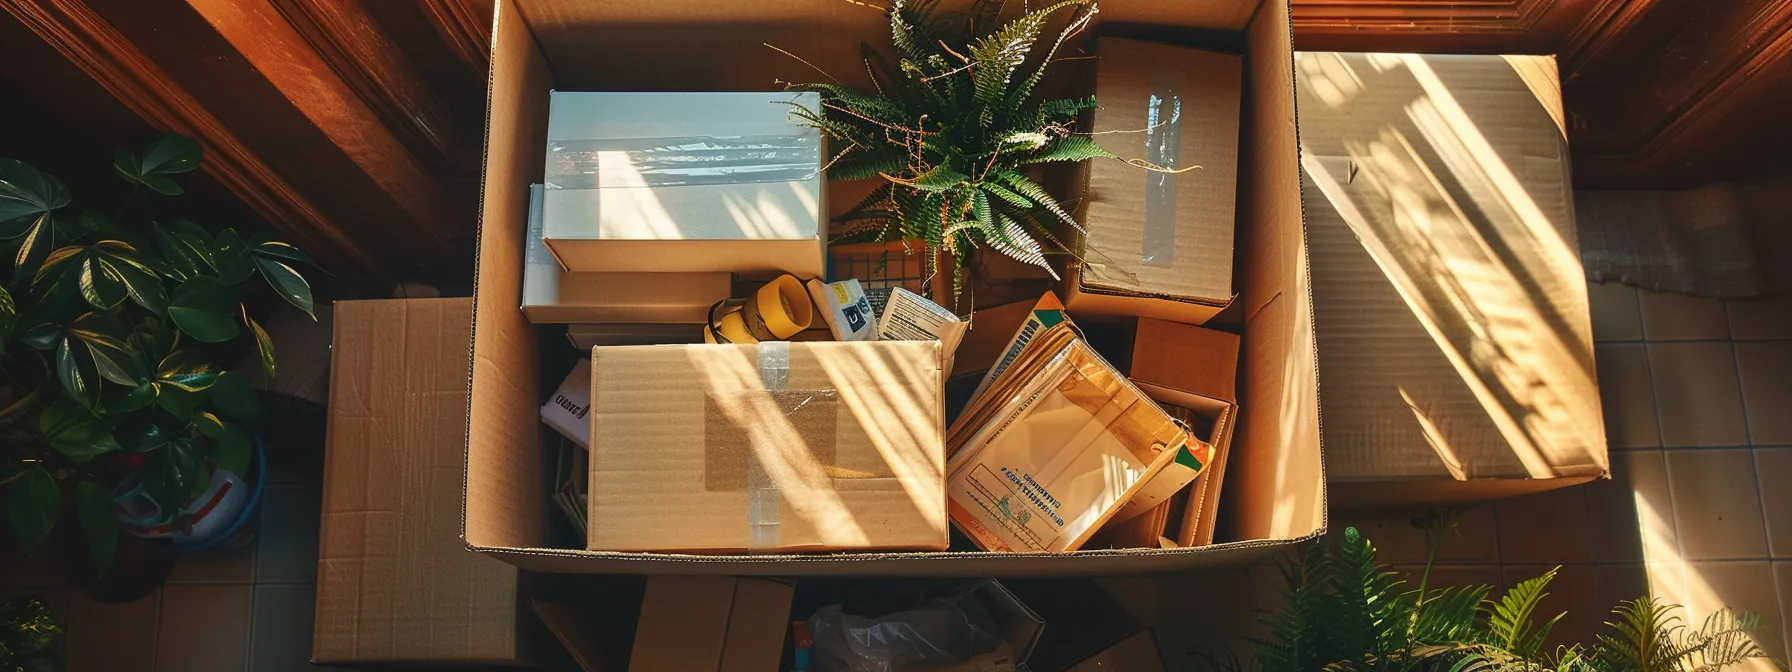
(1774, 465)
(1574, 592)
(204, 628)
(1615, 313)
(222, 565)
(1669, 317)
(1696, 394)
(1748, 586)
(280, 632)
(111, 636)
(1396, 540)
(1680, 316)
(1765, 369)
(1761, 318)
(1620, 583)
(1549, 527)
(1627, 395)
(287, 550)
(1448, 576)
(1782, 579)
(1632, 515)
(1717, 506)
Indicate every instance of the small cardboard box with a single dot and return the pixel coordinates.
(393, 582)
(1449, 299)
(711, 623)
(684, 182)
(1277, 492)
(769, 447)
(1159, 244)
(552, 295)
(1196, 369)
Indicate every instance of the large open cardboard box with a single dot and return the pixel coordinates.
(1276, 486)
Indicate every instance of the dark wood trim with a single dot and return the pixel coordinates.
(1603, 24)
(93, 45)
(367, 60)
(1417, 16)
(466, 27)
(434, 220)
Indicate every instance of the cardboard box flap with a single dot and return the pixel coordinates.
(392, 582)
(1452, 305)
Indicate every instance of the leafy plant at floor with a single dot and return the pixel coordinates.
(953, 127)
(112, 335)
(26, 630)
(1342, 611)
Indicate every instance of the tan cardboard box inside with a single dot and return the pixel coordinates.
(1275, 492)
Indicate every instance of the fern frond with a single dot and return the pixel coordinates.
(1509, 618)
(1070, 148)
(940, 178)
(1724, 639)
(866, 104)
(1076, 25)
(1014, 242)
(995, 57)
(1064, 107)
(1026, 187)
(866, 166)
(1448, 615)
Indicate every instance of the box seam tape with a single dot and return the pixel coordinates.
(1163, 147)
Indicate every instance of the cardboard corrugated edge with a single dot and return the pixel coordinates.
(506, 521)
(391, 587)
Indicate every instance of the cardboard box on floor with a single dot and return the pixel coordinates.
(1275, 492)
(393, 582)
(1449, 299)
(1137, 653)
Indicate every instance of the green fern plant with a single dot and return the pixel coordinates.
(1342, 611)
(953, 127)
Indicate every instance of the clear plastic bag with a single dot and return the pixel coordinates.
(939, 633)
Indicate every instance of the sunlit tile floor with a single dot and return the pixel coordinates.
(1698, 406)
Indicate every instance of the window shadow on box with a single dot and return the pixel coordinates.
(1275, 494)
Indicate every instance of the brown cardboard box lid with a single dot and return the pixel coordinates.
(1449, 299)
(1156, 233)
(393, 582)
(774, 446)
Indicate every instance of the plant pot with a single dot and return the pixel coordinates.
(236, 531)
(139, 566)
(219, 516)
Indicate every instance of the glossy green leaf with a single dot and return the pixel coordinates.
(39, 237)
(56, 285)
(34, 507)
(75, 368)
(230, 449)
(28, 200)
(10, 470)
(264, 344)
(188, 370)
(168, 155)
(145, 436)
(186, 247)
(232, 257)
(287, 283)
(181, 404)
(29, 630)
(121, 400)
(109, 346)
(184, 467)
(235, 398)
(201, 308)
(264, 246)
(9, 317)
(111, 270)
(76, 433)
(42, 336)
(99, 521)
(155, 338)
(208, 424)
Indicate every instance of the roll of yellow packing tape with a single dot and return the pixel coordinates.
(778, 310)
(733, 328)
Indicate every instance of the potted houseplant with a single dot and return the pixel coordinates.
(115, 404)
(956, 131)
(27, 629)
